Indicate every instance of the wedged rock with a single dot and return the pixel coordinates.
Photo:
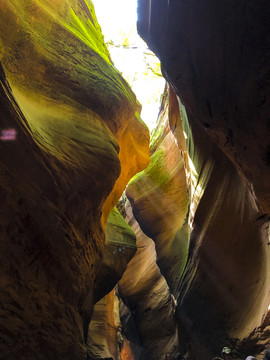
(111, 323)
(216, 55)
(132, 343)
(66, 109)
(104, 336)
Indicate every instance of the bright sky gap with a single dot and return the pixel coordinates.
(130, 54)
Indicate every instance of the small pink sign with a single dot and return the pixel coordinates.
(8, 135)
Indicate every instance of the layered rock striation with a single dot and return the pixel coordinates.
(150, 322)
(67, 121)
(216, 58)
(71, 138)
(159, 197)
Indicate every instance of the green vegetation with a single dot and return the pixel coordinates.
(156, 136)
(90, 34)
(131, 56)
(118, 231)
(156, 171)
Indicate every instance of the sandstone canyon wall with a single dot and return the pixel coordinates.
(192, 266)
(216, 56)
(147, 295)
(74, 120)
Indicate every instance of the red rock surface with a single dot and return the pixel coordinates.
(146, 293)
(70, 109)
(221, 282)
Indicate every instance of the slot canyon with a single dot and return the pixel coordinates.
(120, 245)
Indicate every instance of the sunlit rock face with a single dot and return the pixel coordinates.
(217, 54)
(216, 57)
(146, 293)
(104, 336)
(222, 295)
(159, 197)
(65, 111)
(129, 351)
(148, 329)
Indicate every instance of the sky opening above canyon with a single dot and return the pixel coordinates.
(130, 54)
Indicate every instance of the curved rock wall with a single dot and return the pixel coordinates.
(217, 59)
(224, 292)
(216, 55)
(104, 337)
(64, 111)
(147, 295)
(70, 140)
(159, 198)
(120, 247)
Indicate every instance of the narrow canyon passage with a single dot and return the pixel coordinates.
(118, 242)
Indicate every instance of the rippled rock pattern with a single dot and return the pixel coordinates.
(120, 246)
(65, 112)
(216, 56)
(159, 198)
(152, 326)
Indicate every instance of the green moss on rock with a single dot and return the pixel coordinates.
(156, 171)
(118, 231)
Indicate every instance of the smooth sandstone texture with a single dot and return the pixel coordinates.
(71, 111)
(104, 337)
(146, 293)
(120, 247)
(159, 197)
(224, 292)
(221, 282)
(216, 55)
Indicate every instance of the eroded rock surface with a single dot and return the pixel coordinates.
(104, 337)
(120, 246)
(159, 198)
(216, 56)
(146, 293)
(220, 295)
(71, 138)
(70, 110)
